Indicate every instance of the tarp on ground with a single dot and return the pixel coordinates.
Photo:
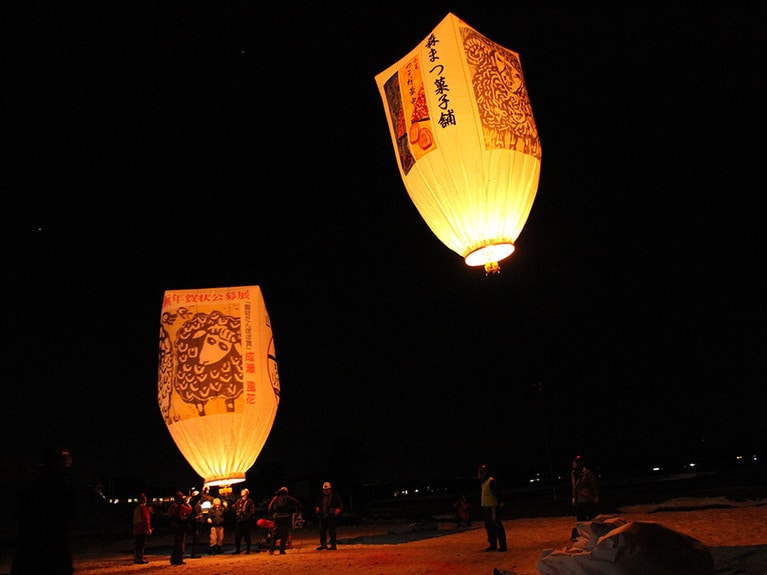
(616, 547)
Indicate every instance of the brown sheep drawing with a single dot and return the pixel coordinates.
(502, 99)
(164, 374)
(209, 360)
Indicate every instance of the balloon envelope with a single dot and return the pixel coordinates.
(218, 384)
(465, 139)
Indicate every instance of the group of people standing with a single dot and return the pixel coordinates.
(283, 507)
(188, 516)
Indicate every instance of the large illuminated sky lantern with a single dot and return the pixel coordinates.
(465, 139)
(218, 384)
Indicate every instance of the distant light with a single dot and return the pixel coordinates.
(656, 468)
(693, 464)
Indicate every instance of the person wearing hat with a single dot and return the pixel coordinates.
(244, 509)
(179, 511)
(282, 507)
(328, 507)
(216, 519)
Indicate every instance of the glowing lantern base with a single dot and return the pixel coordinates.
(489, 256)
(225, 482)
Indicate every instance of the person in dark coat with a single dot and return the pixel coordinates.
(195, 523)
(216, 519)
(244, 509)
(585, 490)
(47, 521)
(282, 507)
(328, 507)
(179, 512)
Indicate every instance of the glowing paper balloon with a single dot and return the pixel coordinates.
(465, 139)
(218, 385)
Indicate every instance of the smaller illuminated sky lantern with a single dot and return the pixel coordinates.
(218, 386)
(465, 139)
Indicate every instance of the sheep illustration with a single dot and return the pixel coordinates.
(502, 99)
(164, 373)
(209, 360)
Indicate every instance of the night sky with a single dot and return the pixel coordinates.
(176, 148)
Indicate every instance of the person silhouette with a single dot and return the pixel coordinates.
(47, 521)
(142, 526)
(491, 503)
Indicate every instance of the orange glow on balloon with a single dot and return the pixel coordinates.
(218, 384)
